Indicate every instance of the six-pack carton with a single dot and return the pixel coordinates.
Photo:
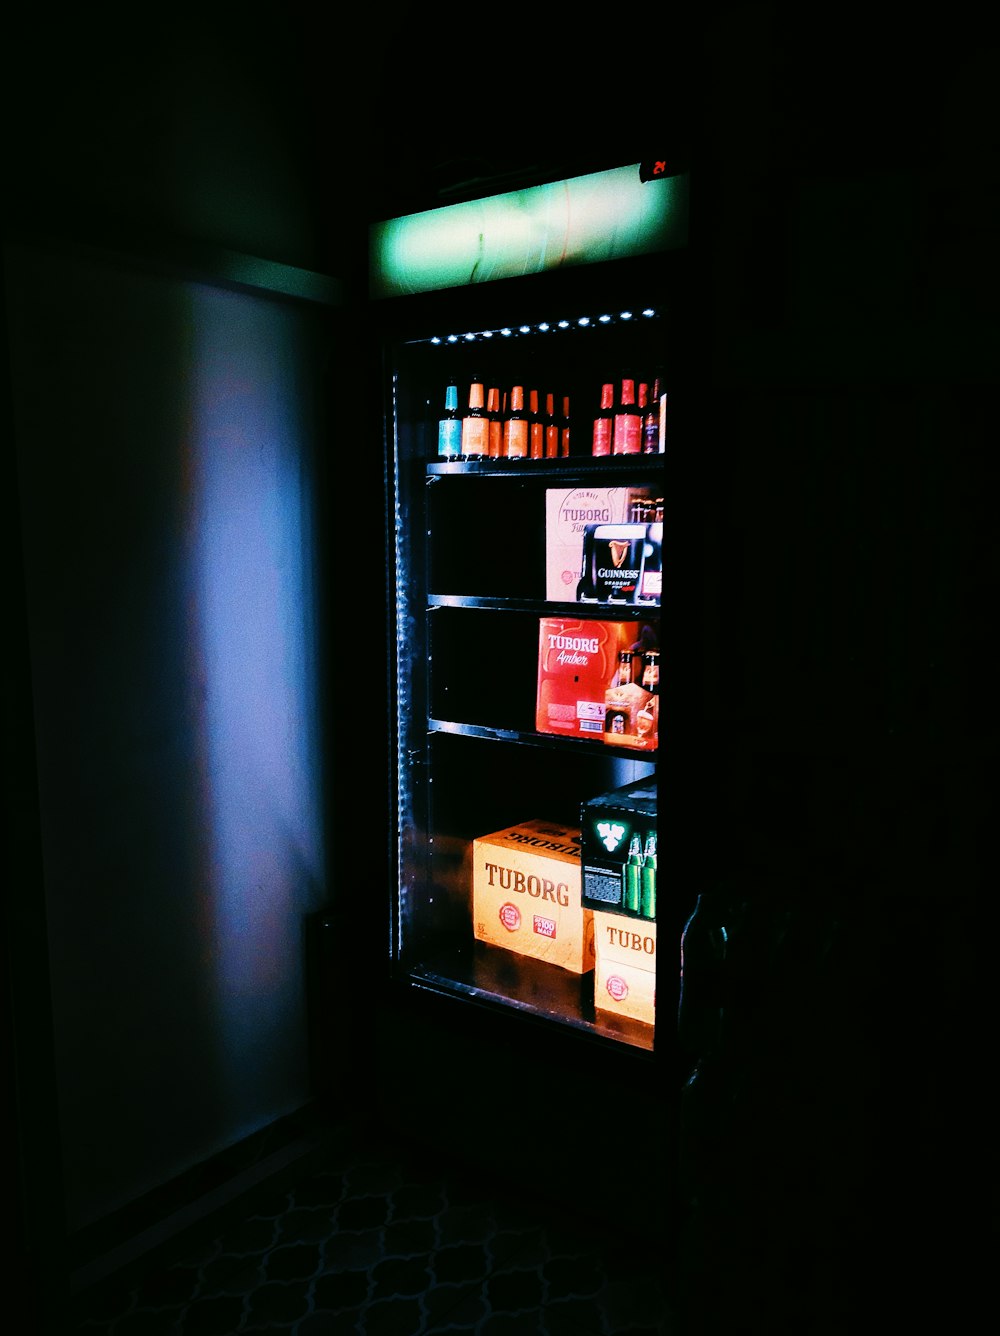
(568, 513)
(526, 894)
(619, 856)
(625, 972)
(577, 693)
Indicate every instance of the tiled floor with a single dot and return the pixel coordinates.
(389, 1244)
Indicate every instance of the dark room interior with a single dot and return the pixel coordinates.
(228, 1114)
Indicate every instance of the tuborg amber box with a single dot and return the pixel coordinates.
(577, 668)
(526, 894)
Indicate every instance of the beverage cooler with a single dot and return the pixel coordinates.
(531, 350)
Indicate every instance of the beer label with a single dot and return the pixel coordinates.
(602, 886)
(617, 987)
(627, 434)
(475, 436)
(602, 436)
(515, 438)
(510, 917)
(449, 438)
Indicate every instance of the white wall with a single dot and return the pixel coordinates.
(166, 434)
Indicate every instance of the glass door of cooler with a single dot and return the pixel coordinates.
(530, 710)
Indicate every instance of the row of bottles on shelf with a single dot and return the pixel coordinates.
(524, 424)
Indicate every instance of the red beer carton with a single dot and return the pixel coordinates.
(577, 667)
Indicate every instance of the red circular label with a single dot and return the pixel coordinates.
(510, 916)
(617, 987)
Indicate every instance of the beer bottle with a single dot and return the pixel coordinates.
(515, 427)
(651, 574)
(564, 428)
(627, 423)
(604, 421)
(496, 425)
(651, 421)
(476, 423)
(450, 425)
(536, 428)
(659, 405)
(632, 876)
(625, 662)
(647, 893)
(651, 671)
(551, 428)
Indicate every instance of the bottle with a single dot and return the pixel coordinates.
(627, 423)
(551, 428)
(450, 425)
(604, 421)
(476, 423)
(659, 404)
(564, 429)
(515, 427)
(651, 432)
(496, 424)
(651, 672)
(632, 876)
(536, 428)
(651, 571)
(626, 661)
(647, 879)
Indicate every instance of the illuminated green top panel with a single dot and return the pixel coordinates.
(608, 215)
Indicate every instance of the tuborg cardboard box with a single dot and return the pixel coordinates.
(568, 512)
(619, 858)
(577, 666)
(625, 972)
(526, 894)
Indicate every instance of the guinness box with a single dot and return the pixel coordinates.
(568, 513)
(625, 970)
(577, 666)
(526, 894)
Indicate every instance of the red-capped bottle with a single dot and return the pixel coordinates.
(551, 426)
(604, 421)
(536, 428)
(626, 437)
(496, 424)
(564, 429)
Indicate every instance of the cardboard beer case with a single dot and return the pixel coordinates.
(621, 890)
(577, 668)
(526, 894)
(625, 970)
(568, 512)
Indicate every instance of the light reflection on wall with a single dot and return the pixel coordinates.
(252, 612)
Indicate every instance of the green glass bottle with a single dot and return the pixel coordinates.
(632, 876)
(647, 897)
